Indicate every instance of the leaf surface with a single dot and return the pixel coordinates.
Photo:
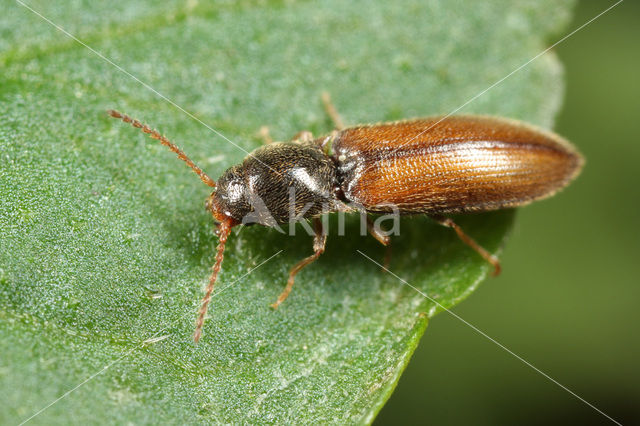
(105, 243)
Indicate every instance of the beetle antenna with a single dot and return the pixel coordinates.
(224, 230)
(166, 142)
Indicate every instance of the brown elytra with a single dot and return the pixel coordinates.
(456, 164)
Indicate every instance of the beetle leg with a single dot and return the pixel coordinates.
(263, 133)
(449, 223)
(319, 242)
(377, 233)
(303, 136)
(300, 137)
(331, 111)
(385, 240)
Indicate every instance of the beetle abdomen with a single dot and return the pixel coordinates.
(459, 164)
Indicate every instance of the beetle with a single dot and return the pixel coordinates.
(434, 166)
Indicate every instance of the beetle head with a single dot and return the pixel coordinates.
(229, 203)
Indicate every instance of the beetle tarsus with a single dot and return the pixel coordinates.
(449, 223)
(377, 233)
(385, 240)
(319, 242)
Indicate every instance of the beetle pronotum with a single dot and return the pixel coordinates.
(433, 166)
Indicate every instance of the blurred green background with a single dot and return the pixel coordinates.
(577, 255)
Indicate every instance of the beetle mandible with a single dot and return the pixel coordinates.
(433, 166)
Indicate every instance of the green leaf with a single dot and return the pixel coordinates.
(105, 243)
